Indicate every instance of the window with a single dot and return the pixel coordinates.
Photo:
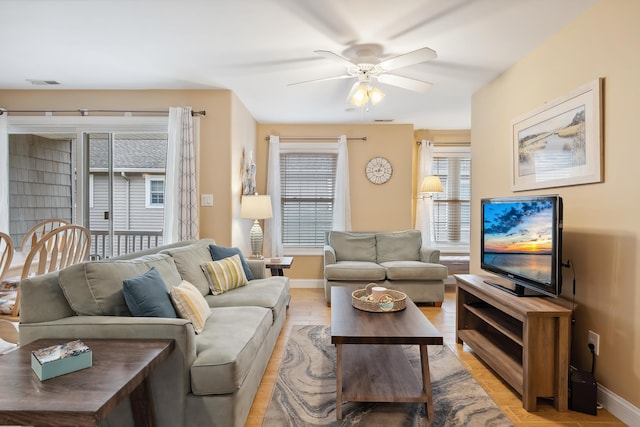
(154, 186)
(451, 208)
(307, 176)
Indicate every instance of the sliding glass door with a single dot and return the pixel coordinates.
(106, 173)
(126, 191)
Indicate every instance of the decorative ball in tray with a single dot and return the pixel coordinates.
(377, 299)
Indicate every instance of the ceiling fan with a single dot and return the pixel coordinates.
(367, 67)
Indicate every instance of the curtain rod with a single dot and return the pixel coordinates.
(317, 138)
(86, 111)
(446, 144)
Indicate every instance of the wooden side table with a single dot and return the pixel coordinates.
(277, 265)
(85, 397)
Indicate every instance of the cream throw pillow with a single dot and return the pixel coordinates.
(225, 274)
(190, 304)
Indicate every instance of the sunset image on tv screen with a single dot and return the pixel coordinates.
(518, 238)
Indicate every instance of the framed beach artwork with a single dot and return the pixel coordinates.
(560, 143)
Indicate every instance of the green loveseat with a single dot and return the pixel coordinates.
(395, 260)
(211, 378)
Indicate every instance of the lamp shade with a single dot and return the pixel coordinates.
(256, 207)
(431, 184)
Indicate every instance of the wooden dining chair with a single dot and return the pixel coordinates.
(58, 249)
(9, 331)
(6, 254)
(38, 231)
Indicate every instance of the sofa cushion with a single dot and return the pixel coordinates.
(353, 246)
(399, 246)
(188, 259)
(220, 252)
(227, 347)
(147, 295)
(271, 293)
(354, 270)
(225, 274)
(414, 270)
(95, 288)
(190, 304)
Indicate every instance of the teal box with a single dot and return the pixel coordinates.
(60, 359)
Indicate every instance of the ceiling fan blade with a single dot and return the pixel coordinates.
(411, 58)
(404, 82)
(335, 57)
(341, 76)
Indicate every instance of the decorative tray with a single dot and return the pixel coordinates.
(390, 300)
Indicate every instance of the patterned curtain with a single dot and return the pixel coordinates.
(424, 205)
(273, 226)
(181, 193)
(341, 205)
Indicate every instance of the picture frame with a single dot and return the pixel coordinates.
(560, 143)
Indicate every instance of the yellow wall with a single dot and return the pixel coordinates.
(373, 207)
(243, 144)
(601, 221)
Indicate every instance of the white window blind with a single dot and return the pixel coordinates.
(451, 208)
(307, 185)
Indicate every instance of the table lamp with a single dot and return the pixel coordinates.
(431, 184)
(256, 207)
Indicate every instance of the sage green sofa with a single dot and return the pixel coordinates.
(395, 260)
(211, 378)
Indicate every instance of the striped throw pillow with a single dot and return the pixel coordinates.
(190, 304)
(225, 274)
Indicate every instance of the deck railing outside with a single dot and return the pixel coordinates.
(124, 242)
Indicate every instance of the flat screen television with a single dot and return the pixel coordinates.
(521, 241)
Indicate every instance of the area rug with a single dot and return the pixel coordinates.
(305, 390)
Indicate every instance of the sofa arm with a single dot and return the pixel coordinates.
(257, 267)
(430, 255)
(329, 256)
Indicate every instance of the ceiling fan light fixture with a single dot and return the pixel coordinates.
(360, 96)
(365, 94)
(375, 95)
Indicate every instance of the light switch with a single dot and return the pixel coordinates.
(206, 199)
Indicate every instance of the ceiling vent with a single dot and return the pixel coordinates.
(43, 82)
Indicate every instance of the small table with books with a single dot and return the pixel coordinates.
(120, 369)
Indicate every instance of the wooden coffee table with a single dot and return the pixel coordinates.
(372, 366)
(81, 398)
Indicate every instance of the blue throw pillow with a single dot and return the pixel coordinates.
(147, 295)
(220, 252)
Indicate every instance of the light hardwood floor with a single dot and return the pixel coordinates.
(308, 307)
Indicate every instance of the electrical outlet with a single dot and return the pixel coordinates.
(595, 340)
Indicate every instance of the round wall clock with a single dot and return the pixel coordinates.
(378, 170)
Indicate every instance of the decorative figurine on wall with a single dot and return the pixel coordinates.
(249, 178)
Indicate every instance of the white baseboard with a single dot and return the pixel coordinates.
(620, 408)
(306, 283)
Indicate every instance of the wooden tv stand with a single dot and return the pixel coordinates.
(525, 340)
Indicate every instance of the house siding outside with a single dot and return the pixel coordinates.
(40, 182)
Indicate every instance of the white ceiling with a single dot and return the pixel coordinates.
(256, 48)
